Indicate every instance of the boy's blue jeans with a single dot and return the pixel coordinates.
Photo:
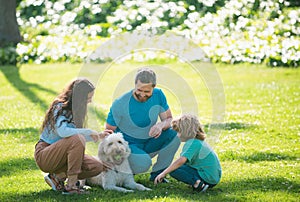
(165, 147)
(187, 175)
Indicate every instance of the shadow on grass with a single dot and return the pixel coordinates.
(231, 126)
(174, 191)
(19, 130)
(12, 74)
(159, 193)
(17, 165)
(266, 156)
(29, 134)
(256, 156)
(263, 184)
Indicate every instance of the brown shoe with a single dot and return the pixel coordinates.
(54, 182)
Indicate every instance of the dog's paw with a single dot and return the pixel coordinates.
(128, 191)
(143, 188)
(86, 187)
(147, 189)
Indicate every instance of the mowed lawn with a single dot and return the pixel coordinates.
(257, 138)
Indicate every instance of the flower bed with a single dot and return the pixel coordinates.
(231, 31)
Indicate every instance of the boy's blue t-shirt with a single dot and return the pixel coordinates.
(202, 157)
(133, 118)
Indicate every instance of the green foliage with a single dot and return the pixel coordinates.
(235, 31)
(31, 10)
(294, 3)
(258, 143)
(8, 55)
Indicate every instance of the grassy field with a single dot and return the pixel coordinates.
(258, 141)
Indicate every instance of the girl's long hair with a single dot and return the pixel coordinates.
(73, 100)
(189, 126)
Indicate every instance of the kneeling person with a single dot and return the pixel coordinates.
(135, 115)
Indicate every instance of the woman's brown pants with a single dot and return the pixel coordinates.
(67, 155)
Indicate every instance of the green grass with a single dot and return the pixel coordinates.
(258, 143)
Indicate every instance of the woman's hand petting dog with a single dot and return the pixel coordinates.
(98, 136)
(105, 133)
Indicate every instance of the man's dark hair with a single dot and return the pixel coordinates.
(145, 75)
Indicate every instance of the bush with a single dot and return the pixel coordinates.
(8, 55)
(252, 31)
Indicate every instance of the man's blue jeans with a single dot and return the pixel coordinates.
(165, 147)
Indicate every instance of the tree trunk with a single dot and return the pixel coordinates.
(9, 30)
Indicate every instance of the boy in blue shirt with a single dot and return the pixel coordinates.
(198, 165)
(135, 115)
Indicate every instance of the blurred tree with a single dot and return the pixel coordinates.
(9, 30)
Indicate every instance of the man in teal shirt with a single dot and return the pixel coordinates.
(135, 114)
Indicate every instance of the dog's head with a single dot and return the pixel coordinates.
(113, 149)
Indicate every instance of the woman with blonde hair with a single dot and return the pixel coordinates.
(198, 165)
(61, 148)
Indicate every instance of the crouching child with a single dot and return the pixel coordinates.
(198, 165)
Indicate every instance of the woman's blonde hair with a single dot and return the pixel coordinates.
(189, 127)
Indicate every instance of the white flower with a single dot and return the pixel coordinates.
(58, 6)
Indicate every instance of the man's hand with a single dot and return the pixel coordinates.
(156, 130)
(166, 118)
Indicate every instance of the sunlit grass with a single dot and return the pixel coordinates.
(258, 144)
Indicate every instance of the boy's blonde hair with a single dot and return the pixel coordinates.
(189, 127)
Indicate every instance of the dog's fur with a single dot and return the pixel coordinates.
(114, 150)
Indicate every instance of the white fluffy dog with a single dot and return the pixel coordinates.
(114, 150)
